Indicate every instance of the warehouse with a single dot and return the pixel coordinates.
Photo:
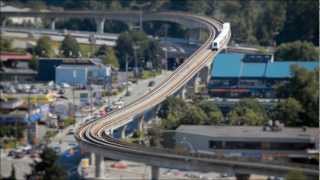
(241, 75)
(262, 142)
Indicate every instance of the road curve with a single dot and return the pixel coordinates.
(94, 137)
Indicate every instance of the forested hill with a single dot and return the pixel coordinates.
(253, 21)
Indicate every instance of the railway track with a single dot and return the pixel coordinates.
(94, 136)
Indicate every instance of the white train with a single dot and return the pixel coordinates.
(222, 37)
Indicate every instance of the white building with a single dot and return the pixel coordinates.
(19, 20)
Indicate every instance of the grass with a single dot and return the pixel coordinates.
(69, 121)
(85, 49)
(51, 134)
(149, 74)
(11, 143)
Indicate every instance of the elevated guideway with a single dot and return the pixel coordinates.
(96, 136)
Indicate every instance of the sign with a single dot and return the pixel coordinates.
(84, 98)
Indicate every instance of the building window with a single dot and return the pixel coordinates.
(242, 145)
(291, 146)
(215, 144)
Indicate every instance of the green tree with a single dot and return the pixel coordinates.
(70, 47)
(213, 113)
(111, 58)
(5, 44)
(43, 47)
(102, 50)
(302, 22)
(47, 168)
(304, 87)
(247, 112)
(271, 21)
(193, 116)
(297, 51)
(125, 48)
(33, 64)
(295, 175)
(153, 53)
(288, 112)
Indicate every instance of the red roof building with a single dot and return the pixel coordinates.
(12, 56)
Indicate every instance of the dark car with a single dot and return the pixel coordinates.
(12, 153)
(151, 83)
(19, 155)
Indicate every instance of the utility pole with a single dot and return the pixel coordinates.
(127, 78)
(141, 6)
(135, 48)
(73, 96)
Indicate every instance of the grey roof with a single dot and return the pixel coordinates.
(250, 132)
(5, 70)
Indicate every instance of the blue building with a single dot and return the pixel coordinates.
(47, 66)
(240, 75)
(82, 75)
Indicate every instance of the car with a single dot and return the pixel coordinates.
(70, 132)
(12, 153)
(151, 83)
(57, 149)
(19, 155)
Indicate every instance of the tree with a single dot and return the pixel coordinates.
(102, 50)
(295, 175)
(33, 64)
(304, 87)
(247, 112)
(43, 47)
(47, 168)
(193, 116)
(297, 51)
(153, 53)
(5, 44)
(302, 22)
(271, 21)
(125, 48)
(288, 112)
(70, 47)
(213, 113)
(111, 58)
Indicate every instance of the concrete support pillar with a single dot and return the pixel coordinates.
(100, 167)
(123, 132)
(100, 24)
(196, 83)
(141, 123)
(242, 176)
(53, 24)
(205, 75)
(182, 93)
(154, 173)
(4, 22)
(92, 159)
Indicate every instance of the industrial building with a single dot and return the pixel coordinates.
(73, 71)
(15, 67)
(260, 142)
(255, 75)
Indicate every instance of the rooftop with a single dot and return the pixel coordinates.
(250, 132)
(6, 56)
(235, 65)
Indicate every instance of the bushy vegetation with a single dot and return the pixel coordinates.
(299, 109)
(253, 21)
(48, 168)
(136, 44)
(293, 51)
